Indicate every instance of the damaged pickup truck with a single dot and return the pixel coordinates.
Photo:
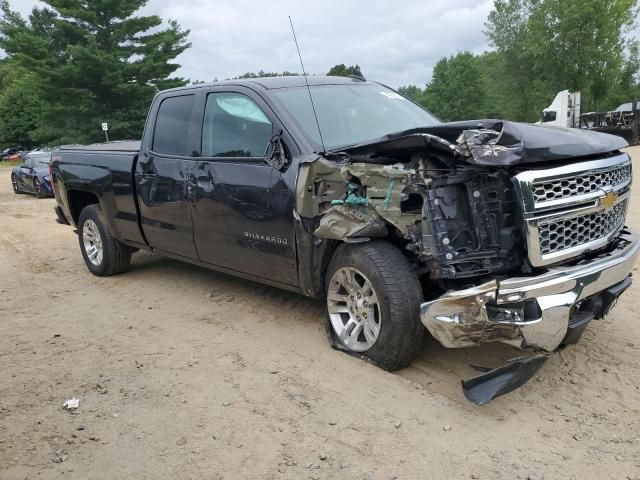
(480, 231)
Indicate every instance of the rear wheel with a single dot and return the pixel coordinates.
(373, 304)
(14, 184)
(102, 253)
(37, 188)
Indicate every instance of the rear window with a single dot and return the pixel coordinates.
(170, 136)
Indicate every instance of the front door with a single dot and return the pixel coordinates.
(26, 175)
(239, 221)
(162, 172)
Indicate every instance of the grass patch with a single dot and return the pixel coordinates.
(9, 164)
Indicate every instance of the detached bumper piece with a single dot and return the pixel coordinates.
(484, 388)
(538, 313)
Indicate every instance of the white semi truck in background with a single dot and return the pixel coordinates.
(564, 111)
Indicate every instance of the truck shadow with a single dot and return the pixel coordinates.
(435, 368)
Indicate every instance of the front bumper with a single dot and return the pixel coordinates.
(544, 305)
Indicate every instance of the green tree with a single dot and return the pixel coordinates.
(627, 87)
(343, 71)
(551, 45)
(21, 106)
(94, 61)
(262, 74)
(412, 92)
(456, 90)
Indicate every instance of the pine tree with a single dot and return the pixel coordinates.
(95, 61)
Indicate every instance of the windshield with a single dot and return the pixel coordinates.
(351, 114)
(40, 159)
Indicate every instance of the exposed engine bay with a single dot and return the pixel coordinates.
(459, 221)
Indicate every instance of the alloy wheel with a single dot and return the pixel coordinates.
(92, 242)
(354, 310)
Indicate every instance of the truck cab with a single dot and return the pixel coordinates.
(564, 110)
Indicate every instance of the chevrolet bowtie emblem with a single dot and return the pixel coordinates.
(609, 200)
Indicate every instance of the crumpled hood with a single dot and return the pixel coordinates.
(496, 142)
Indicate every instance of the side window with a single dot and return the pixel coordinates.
(170, 136)
(234, 126)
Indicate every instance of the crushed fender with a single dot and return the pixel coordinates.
(342, 222)
(355, 200)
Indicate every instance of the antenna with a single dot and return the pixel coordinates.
(307, 83)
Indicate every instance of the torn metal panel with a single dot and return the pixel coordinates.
(355, 199)
(319, 182)
(384, 186)
(342, 222)
(483, 147)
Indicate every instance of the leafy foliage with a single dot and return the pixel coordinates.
(21, 105)
(456, 90)
(552, 45)
(343, 71)
(262, 74)
(87, 62)
(541, 48)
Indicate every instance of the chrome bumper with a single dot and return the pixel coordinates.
(461, 318)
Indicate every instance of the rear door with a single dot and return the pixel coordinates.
(242, 212)
(161, 175)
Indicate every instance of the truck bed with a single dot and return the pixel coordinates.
(106, 171)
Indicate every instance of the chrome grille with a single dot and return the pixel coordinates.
(579, 185)
(572, 208)
(572, 232)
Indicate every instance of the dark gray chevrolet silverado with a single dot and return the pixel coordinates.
(480, 231)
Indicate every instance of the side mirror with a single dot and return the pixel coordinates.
(275, 154)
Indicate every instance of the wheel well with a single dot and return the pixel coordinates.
(329, 250)
(78, 200)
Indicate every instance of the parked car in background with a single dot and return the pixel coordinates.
(12, 154)
(33, 175)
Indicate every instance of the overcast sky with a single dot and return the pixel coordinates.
(396, 43)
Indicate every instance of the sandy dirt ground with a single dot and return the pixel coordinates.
(185, 373)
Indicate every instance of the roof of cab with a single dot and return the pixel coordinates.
(270, 83)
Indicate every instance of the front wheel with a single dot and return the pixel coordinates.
(14, 184)
(103, 254)
(373, 303)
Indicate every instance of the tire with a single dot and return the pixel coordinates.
(14, 184)
(391, 332)
(37, 188)
(113, 257)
